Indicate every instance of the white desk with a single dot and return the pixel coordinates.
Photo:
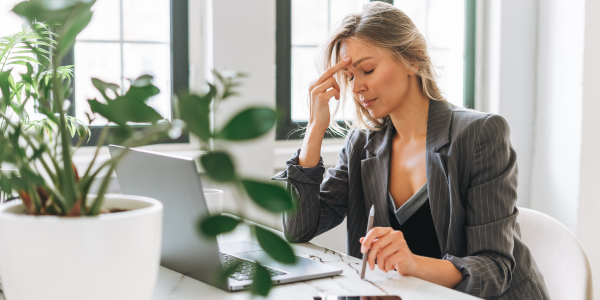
(174, 286)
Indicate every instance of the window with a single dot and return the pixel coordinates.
(302, 25)
(125, 39)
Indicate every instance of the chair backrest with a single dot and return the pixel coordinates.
(558, 254)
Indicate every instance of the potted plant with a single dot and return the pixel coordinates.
(16, 51)
(60, 242)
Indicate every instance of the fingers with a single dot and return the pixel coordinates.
(374, 233)
(377, 245)
(329, 94)
(384, 247)
(384, 255)
(334, 69)
(395, 259)
(329, 83)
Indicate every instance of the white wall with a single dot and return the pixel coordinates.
(507, 42)
(243, 40)
(589, 199)
(557, 143)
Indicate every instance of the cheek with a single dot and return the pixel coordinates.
(390, 82)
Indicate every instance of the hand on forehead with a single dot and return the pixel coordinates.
(359, 52)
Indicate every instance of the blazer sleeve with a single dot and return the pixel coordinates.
(491, 213)
(321, 203)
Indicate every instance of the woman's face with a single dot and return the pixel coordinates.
(377, 80)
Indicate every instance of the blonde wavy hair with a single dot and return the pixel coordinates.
(383, 27)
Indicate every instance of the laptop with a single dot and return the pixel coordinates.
(176, 183)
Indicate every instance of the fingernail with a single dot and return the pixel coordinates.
(347, 58)
(363, 249)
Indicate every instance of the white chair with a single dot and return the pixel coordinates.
(558, 254)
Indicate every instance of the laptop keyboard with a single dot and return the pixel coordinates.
(246, 270)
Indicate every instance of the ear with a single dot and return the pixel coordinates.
(413, 69)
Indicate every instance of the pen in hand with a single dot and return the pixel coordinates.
(369, 227)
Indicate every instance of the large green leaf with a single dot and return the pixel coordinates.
(249, 124)
(124, 109)
(142, 93)
(216, 225)
(261, 284)
(268, 195)
(77, 21)
(194, 110)
(102, 86)
(275, 246)
(218, 166)
(37, 11)
(142, 81)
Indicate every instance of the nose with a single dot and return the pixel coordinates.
(358, 87)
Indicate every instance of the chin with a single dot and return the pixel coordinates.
(375, 114)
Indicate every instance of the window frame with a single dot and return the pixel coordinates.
(286, 128)
(179, 71)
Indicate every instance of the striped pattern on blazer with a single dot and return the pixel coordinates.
(472, 185)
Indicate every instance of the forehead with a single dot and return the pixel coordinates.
(358, 50)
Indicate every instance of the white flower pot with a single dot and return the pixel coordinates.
(109, 257)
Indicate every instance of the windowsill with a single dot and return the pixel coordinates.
(84, 155)
(284, 149)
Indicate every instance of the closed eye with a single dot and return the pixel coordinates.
(366, 72)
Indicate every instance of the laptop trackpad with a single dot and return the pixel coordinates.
(239, 247)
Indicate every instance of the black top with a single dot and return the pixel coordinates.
(417, 224)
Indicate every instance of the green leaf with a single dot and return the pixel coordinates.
(216, 225)
(27, 76)
(142, 81)
(218, 166)
(268, 195)
(78, 21)
(194, 110)
(275, 246)
(34, 10)
(249, 124)
(15, 59)
(223, 276)
(5, 89)
(124, 109)
(142, 93)
(5, 184)
(102, 86)
(261, 284)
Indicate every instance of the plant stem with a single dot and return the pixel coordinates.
(70, 191)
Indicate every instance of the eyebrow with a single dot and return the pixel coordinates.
(354, 65)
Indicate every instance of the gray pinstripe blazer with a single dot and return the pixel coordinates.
(472, 184)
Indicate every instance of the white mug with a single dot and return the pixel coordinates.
(214, 202)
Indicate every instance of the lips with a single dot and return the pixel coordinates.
(368, 102)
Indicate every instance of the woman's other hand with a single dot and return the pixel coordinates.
(390, 249)
(321, 91)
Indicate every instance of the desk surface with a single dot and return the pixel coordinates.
(174, 286)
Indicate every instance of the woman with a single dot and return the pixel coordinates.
(442, 179)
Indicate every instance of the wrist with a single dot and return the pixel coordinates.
(417, 268)
(315, 130)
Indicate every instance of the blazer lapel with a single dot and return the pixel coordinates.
(375, 171)
(438, 136)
